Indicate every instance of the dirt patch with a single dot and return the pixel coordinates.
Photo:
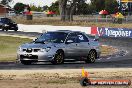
(108, 50)
(59, 78)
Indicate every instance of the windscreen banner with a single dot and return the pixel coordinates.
(112, 32)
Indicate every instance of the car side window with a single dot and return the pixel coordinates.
(73, 37)
(82, 38)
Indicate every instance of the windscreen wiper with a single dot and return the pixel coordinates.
(40, 42)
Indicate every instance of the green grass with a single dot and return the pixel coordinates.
(8, 47)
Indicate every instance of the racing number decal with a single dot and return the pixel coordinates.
(80, 37)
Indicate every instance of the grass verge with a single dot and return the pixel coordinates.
(56, 21)
(8, 47)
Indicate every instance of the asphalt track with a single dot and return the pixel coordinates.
(122, 59)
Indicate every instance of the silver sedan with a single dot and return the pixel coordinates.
(59, 46)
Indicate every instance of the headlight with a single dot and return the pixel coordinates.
(45, 49)
(19, 49)
(6, 25)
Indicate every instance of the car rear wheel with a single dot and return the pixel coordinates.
(59, 58)
(26, 62)
(91, 57)
(16, 29)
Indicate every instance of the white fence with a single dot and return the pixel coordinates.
(43, 28)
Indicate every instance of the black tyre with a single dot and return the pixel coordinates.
(59, 58)
(26, 62)
(16, 29)
(91, 57)
(2, 29)
(85, 82)
(6, 29)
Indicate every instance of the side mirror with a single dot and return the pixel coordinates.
(69, 41)
(96, 37)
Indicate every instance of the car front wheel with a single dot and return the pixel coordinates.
(58, 58)
(2, 29)
(16, 29)
(91, 57)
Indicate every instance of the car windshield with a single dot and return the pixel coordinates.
(4, 20)
(54, 37)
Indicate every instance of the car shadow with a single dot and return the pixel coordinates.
(79, 65)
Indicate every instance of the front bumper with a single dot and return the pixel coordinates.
(98, 54)
(35, 56)
(10, 27)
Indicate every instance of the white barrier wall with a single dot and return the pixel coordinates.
(41, 28)
(106, 32)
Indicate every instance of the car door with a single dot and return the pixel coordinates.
(83, 45)
(72, 49)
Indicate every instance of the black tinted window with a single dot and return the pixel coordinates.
(55, 37)
(73, 37)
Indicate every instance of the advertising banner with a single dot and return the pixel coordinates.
(112, 32)
(126, 0)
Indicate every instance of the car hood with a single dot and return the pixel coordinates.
(37, 45)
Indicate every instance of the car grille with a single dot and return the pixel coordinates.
(29, 56)
(31, 50)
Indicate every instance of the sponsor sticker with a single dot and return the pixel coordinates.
(114, 32)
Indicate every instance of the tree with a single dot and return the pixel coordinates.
(39, 9)
(109, 4)
(35, 8)
(5, 2)
(83, 8)
(54, 7)
(19, 7)
(98, 5)
(67, 8)
(45, 8)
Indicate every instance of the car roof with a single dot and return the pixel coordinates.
(65, 31)
(4, 17)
